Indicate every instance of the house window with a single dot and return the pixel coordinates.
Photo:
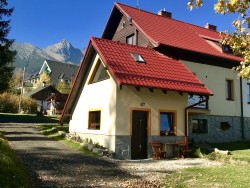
(226, 49)
(67, 81)
(99, 73)
(94, 120)
(199, 126)
(193, 99)
(137, 57)
(130, 39)
(229, 90)
(248, 93)
(168, 123)
(123, 24)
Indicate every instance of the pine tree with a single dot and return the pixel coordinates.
(6, 55)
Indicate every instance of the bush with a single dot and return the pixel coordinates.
(196, 153)
(9, 103)
(29, 105)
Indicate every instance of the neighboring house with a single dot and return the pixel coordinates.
(41, 94)
(49, 99)
(57, 71)
(124, 95)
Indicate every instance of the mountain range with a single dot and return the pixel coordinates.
(32, 57)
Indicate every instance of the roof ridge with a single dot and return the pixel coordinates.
(167, 17)
(124, 44)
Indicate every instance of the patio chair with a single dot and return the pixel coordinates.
(183, 150)
(157, 150)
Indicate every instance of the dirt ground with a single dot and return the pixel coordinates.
(52, 164)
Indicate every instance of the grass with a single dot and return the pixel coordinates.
(27, 118)
(233, 173)
(223, 176)
(12, 171)
(48, 131)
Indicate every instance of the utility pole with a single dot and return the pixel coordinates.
(20, 99)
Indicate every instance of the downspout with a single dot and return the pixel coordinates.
(242, 112)
(186, 113)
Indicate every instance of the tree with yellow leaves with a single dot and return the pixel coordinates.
(44, 78)
(239, 40)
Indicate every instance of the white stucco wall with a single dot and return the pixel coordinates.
(96, 96)
(129, 98)
(215, 79)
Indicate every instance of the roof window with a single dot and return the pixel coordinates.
(137, 57)
(226, 48)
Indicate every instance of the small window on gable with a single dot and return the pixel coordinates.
(99, 73)
(138, 58)
(226, 48)
(123, 24)
(130, 39)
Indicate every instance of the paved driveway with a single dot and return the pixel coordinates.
(51, 164)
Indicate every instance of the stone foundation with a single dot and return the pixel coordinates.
(216, 132)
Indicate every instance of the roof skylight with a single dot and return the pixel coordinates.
(137, 57)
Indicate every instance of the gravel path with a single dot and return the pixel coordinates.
(52, 164)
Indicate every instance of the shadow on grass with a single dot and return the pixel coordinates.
(232, 146)
(27, 118)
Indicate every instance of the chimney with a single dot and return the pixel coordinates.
(211, 27)
(164, 13)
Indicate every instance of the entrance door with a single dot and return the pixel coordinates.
(139, 134)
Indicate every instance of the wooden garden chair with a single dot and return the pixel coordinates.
(157, 150)
(183, 150)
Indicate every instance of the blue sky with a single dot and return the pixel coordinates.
(45, 22)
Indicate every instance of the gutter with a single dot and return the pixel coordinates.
(186, 113)
(242, 112)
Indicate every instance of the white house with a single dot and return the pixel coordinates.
(124, 96)
(160, 79)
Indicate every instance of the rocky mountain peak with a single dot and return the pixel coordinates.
(33, 57)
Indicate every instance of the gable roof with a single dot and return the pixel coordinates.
(42, 93)
(60, 70)
(170, 32)
(158, 71)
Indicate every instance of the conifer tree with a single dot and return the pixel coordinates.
(6, 55)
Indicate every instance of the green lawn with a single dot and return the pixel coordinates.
(27, 118)
(233, 173)
(12, 171)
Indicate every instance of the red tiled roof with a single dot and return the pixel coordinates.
(158, 72)
(171, 32)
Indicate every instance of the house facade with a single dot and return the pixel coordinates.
(225, 117)
(160, 79)
(125, 96)
(57, 71)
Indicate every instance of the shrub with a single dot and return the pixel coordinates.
(196, 153)
(29, 105)
(9, 103)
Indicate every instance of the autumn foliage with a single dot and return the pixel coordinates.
(239, 38)
(9, 103)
